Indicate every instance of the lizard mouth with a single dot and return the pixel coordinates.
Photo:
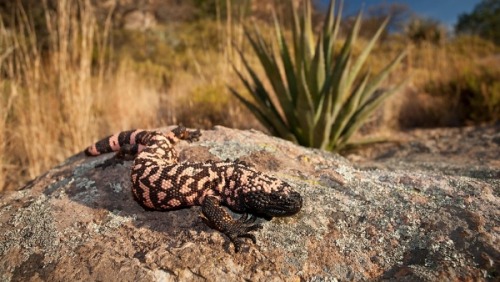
(274, 205)
(279, 213)
(290, 207)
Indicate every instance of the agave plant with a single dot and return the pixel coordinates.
(320, 95)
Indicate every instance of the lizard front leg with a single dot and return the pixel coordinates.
(183, 133)
(216, 217)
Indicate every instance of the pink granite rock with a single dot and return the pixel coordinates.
(80, 223)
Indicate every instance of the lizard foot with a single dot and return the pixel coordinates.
(241, 228)
(183, 133)
(216, 217)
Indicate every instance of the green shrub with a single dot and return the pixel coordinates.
(420, 30)
(474, 95)
(320, 95)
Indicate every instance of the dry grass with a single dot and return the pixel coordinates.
(429, 101)
(128, 99)
(55, 101)
(429, 64)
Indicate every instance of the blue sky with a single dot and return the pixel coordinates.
(446, 11)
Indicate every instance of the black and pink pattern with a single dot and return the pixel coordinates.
(159, 182)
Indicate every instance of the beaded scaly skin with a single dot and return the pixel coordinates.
(160, 182)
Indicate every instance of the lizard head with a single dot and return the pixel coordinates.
(275, 199)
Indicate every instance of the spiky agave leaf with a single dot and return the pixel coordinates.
(321, 97)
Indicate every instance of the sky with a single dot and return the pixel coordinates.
(446, 11)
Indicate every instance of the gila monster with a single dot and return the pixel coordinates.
(160, 182)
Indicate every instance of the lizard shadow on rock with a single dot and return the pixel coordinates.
(111, 189)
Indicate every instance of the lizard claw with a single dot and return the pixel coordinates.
(194, 135)
(241, 228)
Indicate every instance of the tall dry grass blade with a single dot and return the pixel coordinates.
(53, 115)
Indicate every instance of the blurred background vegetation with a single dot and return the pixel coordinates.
(72, 71)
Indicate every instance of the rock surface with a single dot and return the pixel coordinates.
(401, 223)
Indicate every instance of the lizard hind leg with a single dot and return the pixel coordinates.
(217, 218)
(127, 152)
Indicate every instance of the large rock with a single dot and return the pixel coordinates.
(80, 223)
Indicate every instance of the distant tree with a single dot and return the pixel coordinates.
(484, 21)
(420, 30)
